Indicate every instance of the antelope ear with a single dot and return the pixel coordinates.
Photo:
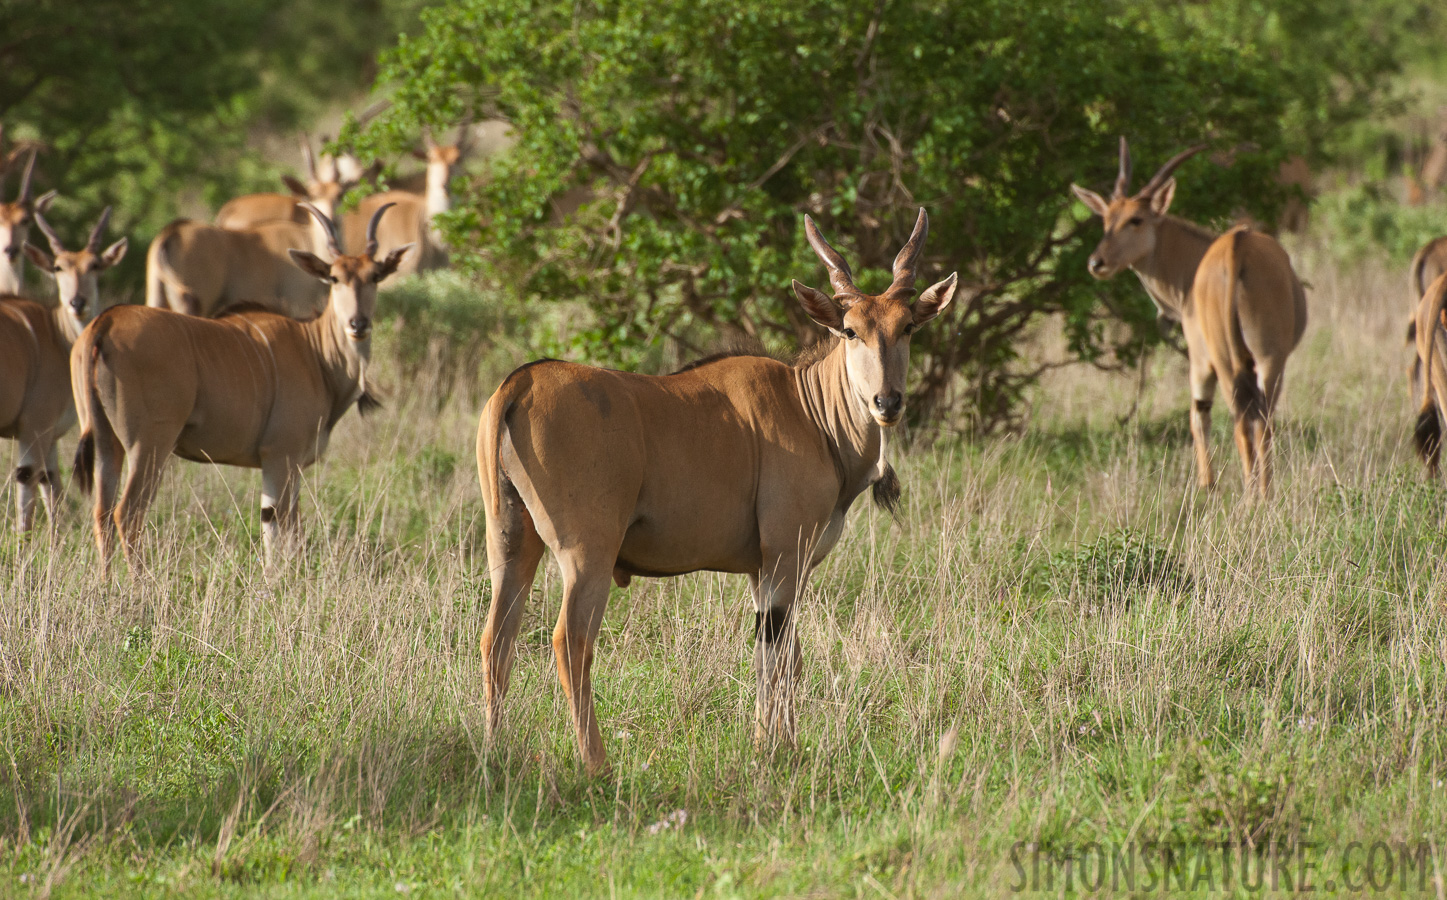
(1091, 199)
(311, 264)
(42, 260)
(389, 265)
(294, 185)
(820, 307)
(1161, 199)
(114, 253)
(935, 299)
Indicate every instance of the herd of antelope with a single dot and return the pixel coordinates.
(255, 340)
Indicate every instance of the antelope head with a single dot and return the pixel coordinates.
(325, 184)
(15, 221)
(1131, 220)
(440, 158)
(77, 272)
(875, 329)
(353, 279)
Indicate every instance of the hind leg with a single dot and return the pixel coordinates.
(586, 577)
(513, 552)
(147, 464)
(1264, 431)
(107, 473)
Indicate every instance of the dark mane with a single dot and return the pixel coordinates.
(807, 356)
(251, 306)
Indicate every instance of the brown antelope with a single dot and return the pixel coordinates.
(413, 223)
(1236, 296)
(15, 221)
(200, 269)
(1428, 263)
(251, 388)
(1430, 337)
(740, 464)
(324, 187)
(35, 401)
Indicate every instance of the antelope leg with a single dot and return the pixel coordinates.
(585, 596)
(1203, 393)
(280, 480)
(513, 552)
(778, 658)
(29, 476)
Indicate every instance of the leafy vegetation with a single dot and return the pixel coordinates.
(691, 139)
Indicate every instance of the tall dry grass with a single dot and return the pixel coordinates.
(1061, 641)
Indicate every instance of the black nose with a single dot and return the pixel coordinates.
(360, 324)
(77, 304)
(1096, 265)
(888, 405)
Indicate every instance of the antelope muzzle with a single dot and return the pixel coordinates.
(359, 328)
(888, 408)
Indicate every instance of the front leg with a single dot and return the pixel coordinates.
(1203, 393)
(778, 658)
(280, 481)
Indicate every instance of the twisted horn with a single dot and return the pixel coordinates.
(93, 242)
(56, 247)
(839, 274)
(1122, 180)
(334, 245)
(904, 263)
(25, 178)
(372, 228)
(311, 162)
(1160, 177)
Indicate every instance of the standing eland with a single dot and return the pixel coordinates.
(1430, 337)
(15, 221)
(1236, 296)
(251, 388)
(35, 341)
(740, 464)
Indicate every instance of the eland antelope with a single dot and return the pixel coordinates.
(251, 388)
(412, 223)
(1428, 264)
(740, 464)
(1430, 338)
(15, 221)
(35, 341)
(324, 187)
(1236, 296)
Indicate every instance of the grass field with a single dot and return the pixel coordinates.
(1061, 642)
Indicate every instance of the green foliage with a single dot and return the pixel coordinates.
(696, 135)
(1119, 565)
(1366, 219)
(151, 105)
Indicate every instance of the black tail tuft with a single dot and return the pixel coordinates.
(84, 468)
(1247, 397)
(1411, 332)
(368, 403)
(1428, 435)
(886, 491)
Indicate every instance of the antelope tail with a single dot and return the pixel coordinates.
(162, 282)
(1428, 432)
(89, 411)
(1246, 393)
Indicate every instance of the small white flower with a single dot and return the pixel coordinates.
(402, 887)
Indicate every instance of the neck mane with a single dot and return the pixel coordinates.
(65, 326)
(1170, 270)
(855, 440)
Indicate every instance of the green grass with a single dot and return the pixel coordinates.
(1061, 642)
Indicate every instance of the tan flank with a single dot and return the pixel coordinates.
(741, 464)
(411, 221)
(15, 221)
(251, 388)
(1236, 296)
(35, 402)
(324, 187)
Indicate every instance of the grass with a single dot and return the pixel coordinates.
(1061, 643)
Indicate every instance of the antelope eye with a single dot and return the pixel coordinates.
(849, 333)
(909, 329)
(1135, 220)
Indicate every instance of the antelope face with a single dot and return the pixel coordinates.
(875, 328)
(352, 298)
(77, 272)
(1130, 221)
(15, 221)
(77, 277)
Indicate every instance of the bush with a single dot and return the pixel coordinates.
(693, 137)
